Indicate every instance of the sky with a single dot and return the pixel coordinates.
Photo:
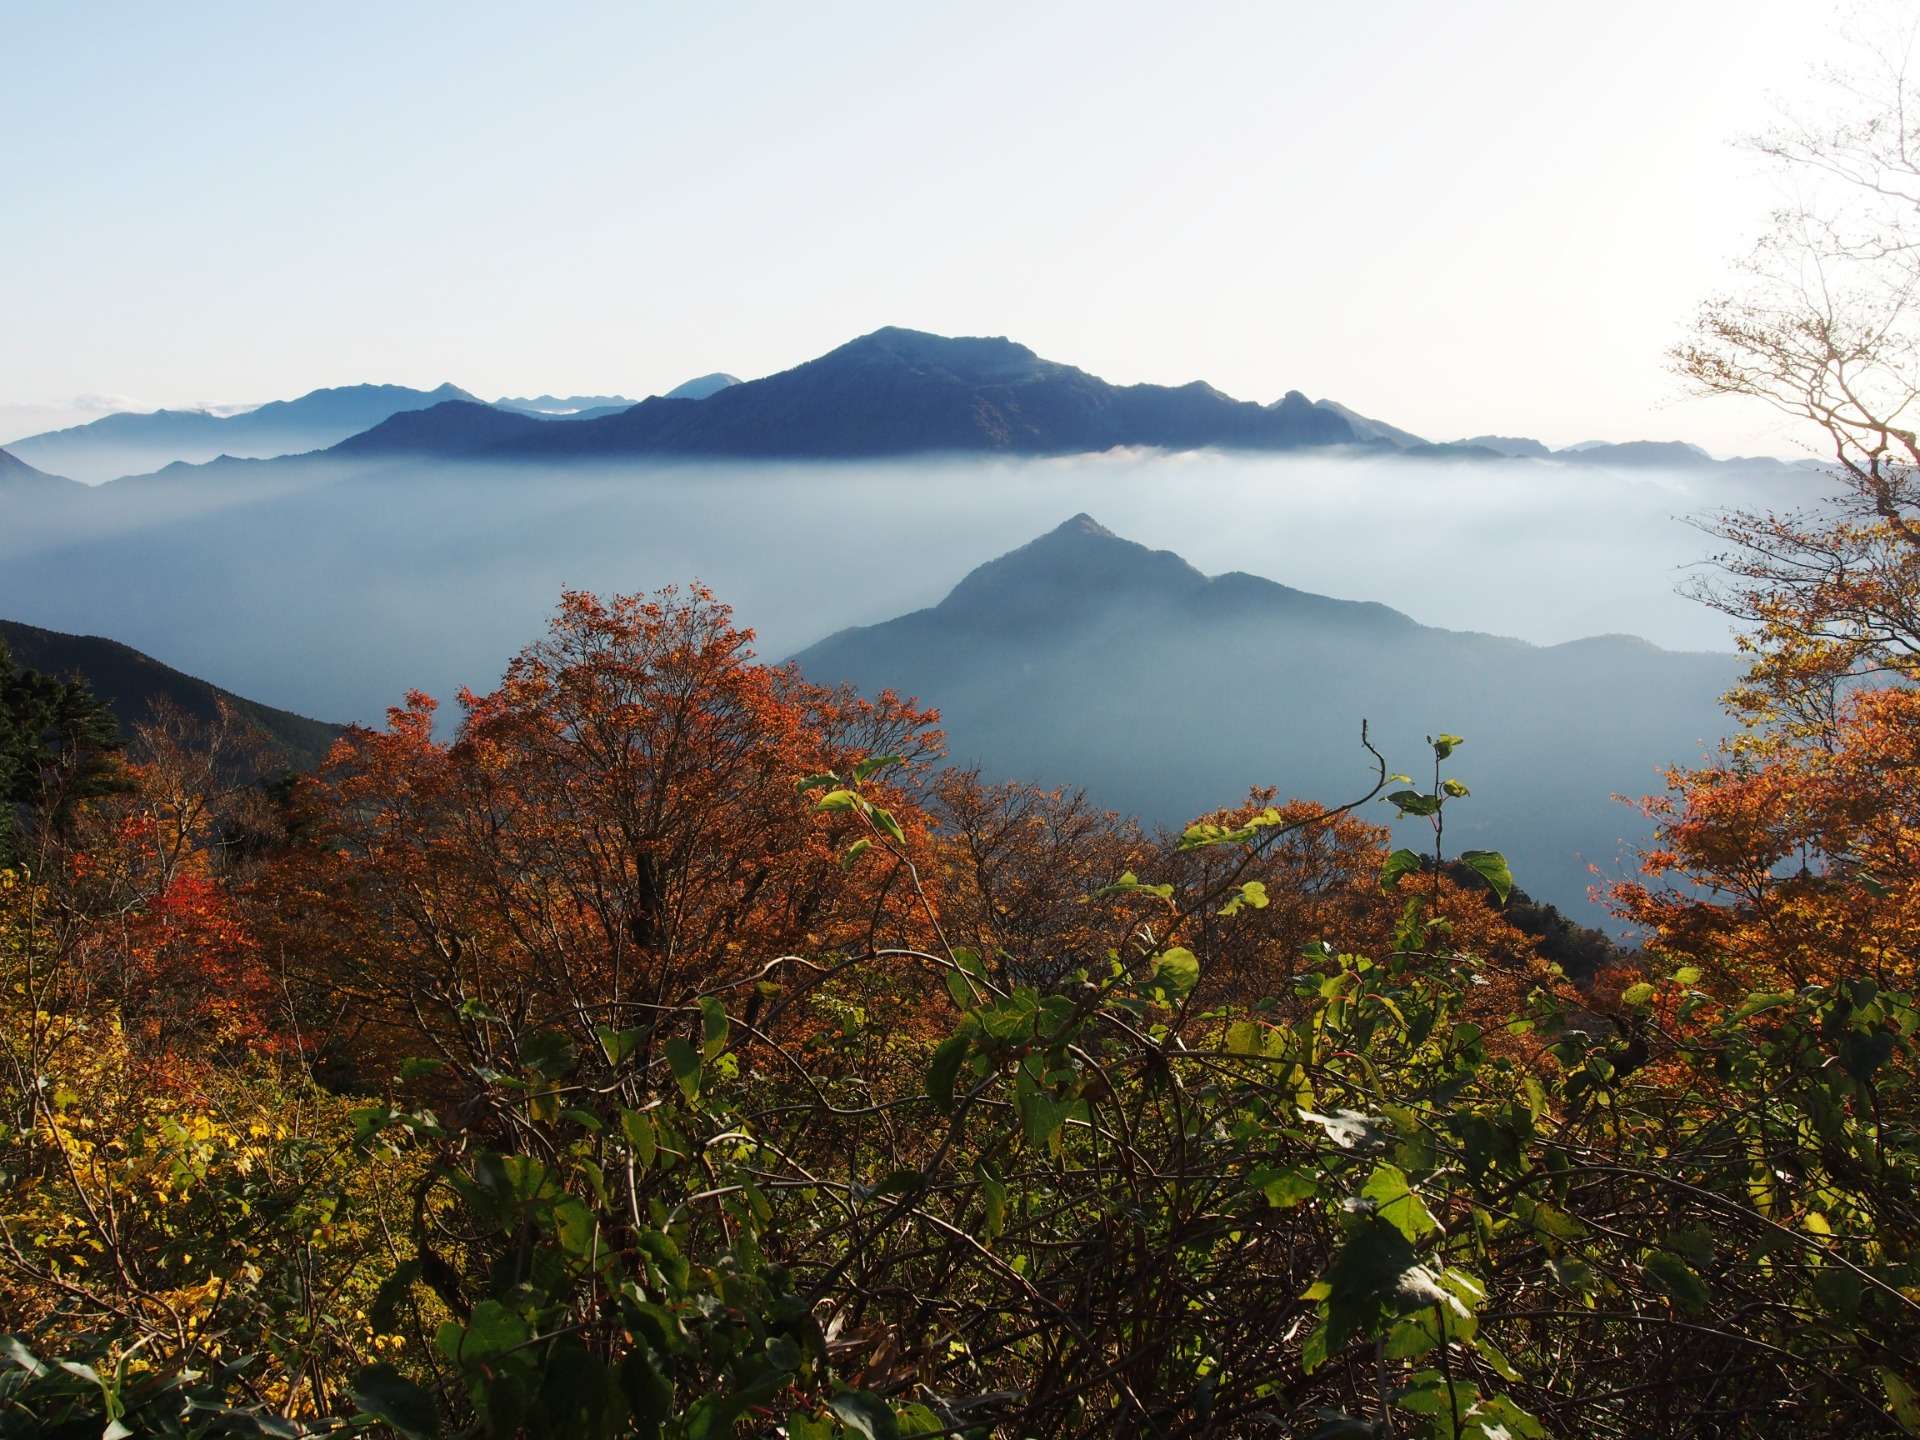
(1489, 216)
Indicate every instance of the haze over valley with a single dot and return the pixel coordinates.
(419, 551)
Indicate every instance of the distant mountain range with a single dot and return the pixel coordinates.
(1085, 659)
(896, 392)
(893, 392)
(132, 444)
(130, 683)
(19, 478)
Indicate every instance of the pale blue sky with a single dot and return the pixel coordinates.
(1464, 217)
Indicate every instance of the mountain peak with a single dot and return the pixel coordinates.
(1084, 524)
(701, 386)
(970, 355)
(1076, 566)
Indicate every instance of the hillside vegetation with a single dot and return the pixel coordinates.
(675, 1051)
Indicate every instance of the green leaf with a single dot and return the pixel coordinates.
(837, 800)
(874, 764)
(685, 1063)
(1283, 1189)
(945, 1067)
(993, 1194)
(389, 1397)
(814, 782)
(1400, 863)
(1491, 866)
(866, 1415)
(1252, 894)
(1637, 995)
(1364, 1283)
(919, 1420)
(639, 1132)
(714, 1027)
(1412, 802)
(619, 1045)
(884, 819)
(1455, 789)
(1902, 1400)
(1177, 971)
(1444, 745)
(417, 1066)
(492, 1330)
(1128, 883)
(960, 988)
(855, 851)
(548, 1053)
(1677, 1279)
(1395, 1202)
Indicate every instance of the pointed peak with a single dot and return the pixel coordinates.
(1084, 524)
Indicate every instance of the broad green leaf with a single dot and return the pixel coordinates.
(1400, 863)
(855, 851)
(1445, 745)
(884, 819)
(1395, 1202)
(1177, 971)
(685, 1063)
(1412, 802)
(1637, 995)
(389, 1397)
(1253, 894)
(874, 764)
(714, 1027)
(866, 1415)
(639, 1132)
(1902, 1400)
(1677, 1279)
(1365, 1283)
(1283, 1189)
(1491, 866)
(945, 1066)
(837, 800)
(619, 1045)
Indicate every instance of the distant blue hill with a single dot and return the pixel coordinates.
(132, 444)
(896, 392)
(1052, 662)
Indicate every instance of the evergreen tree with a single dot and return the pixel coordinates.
(59, 744)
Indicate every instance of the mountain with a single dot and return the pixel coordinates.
(18, 477)
(1651, 454)
(131, 682)
(567, 407)
(1519, 446)
(900, 392)
(701, 386)
(1368, 428)
(131, 444)
(452, 428)
(1085, 659)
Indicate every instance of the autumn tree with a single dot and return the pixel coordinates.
(615, 826)
(1791, 855)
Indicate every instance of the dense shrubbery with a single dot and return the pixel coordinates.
(675, 1052)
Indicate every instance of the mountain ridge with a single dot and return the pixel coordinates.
(129, 681)
(130, 442)
(1049, 664)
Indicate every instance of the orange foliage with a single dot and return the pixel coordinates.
(1790, 860)
(613, 829)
